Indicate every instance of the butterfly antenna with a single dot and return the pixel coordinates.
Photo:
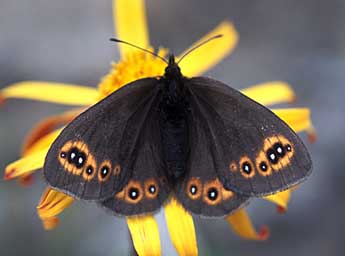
(199, 45)
(138, 47)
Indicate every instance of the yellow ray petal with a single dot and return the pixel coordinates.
(281, 199)
(297, 118)
(26, 165)
(181, 229)
(47, 126)
(242, 226)
(211, 53)
(52, 92)
(270, 93)
(43, 143)
(145, 235)
(52, 204)
(130, 24)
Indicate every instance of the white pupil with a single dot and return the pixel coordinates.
(80, 160)
(134, 193)
(213, 194)
(73, 155)
(272, 156)
(152, 189)
(193, 190)
(279, 150)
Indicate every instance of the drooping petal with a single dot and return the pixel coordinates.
(297, 118)
(281, 199)
(211, 53)
(242, 226)
(47, 126)
(181, 228)
(52, 204)
(66, 94)
(26, 165)
(130, 24)
(270, 93)
(145, 235)
(43, 143)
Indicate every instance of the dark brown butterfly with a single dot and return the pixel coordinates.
(195, 138)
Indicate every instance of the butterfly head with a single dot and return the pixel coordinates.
(172, 71)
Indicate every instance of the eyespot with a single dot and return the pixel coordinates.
(272, 156)
(194, 188)
(212, 194)
(104, 171)
(246, 167)
(117, 169)
(279, 149)
(263, 166)
(151, 189)
(133, 193)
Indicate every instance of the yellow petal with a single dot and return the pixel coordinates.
(181, 228)
(130, 24)
(211, 53)
(47, 126)
(52, 204)
(43, 143)
(145, 235)
(52, 92)
(270, 93)
(26, 165)
(242, 226)
(297, 118)
(281, 199)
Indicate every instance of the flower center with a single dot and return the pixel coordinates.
(134, 66)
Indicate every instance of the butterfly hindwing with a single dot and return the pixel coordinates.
(148, 186)
(92, 157)
(254, 152)
(201, 191)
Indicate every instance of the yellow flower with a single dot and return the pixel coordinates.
(136, 64)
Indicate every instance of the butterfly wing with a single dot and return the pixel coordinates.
(201, 191)
(148, 187)
(253, 151)
(93, 156)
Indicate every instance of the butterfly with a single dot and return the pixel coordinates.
(196, 139)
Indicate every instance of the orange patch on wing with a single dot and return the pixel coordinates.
(247, 167)
(89, 164)
(287, 147)
(151, 188)
(194, 188)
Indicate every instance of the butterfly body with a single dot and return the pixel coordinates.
(193, 138)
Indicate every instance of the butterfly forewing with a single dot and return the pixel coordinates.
(92, 157)
(254, 152)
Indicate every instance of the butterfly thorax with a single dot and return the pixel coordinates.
(174, 112)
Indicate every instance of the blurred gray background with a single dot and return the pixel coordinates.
(301, 42)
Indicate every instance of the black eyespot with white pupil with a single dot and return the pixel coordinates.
(133, 193)
(278, 147)
(272, 156)
(193, 190)
(105, 171)
(89, 170)
(212, 194)
(152, 189)
(263, 166)
(288, 148)
(75, 157)
(246, 168)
